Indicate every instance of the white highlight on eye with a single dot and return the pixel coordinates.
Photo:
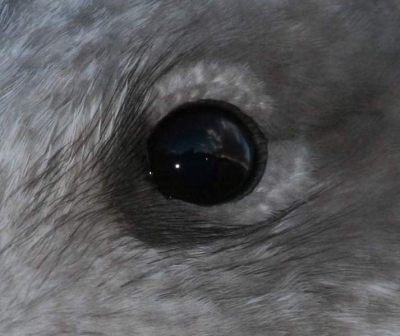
(177, 166)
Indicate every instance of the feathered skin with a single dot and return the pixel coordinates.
(88, 246)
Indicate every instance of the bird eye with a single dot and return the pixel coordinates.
(203, 153)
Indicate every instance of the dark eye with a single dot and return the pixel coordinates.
(203, 153)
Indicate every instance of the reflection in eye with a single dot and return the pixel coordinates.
(202, 153)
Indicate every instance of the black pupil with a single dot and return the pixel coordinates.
(202, 154)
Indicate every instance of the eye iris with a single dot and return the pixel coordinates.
(201, 153)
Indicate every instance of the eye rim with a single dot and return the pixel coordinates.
(258, 143)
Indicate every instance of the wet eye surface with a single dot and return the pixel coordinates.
(203, 153)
